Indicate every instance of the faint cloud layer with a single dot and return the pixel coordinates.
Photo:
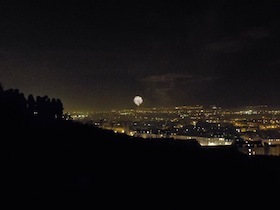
(169, 77)
(231, 46)
(257, 33)
(164, 87)
(238, 43)
(172, 77)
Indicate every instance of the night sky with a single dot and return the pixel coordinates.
(97, 55)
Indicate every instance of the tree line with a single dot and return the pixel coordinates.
(16, 108)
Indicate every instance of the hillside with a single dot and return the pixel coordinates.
(68, 161)
(47, 160)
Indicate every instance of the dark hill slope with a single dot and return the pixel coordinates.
(74, 163)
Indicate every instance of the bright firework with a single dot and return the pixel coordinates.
(138, 100)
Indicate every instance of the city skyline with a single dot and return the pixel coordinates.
(99, 55)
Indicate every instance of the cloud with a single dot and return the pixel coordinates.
(163, 88)
(161, 84)
(229, 46)
(239, 42)
(169, 77)
(175, 77)
(257, 33)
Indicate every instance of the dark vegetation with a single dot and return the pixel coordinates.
(49, 161)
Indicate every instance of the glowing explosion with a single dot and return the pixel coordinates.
(138, 100)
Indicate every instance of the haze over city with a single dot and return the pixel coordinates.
(98, 55)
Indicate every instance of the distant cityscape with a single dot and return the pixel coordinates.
(255, 130)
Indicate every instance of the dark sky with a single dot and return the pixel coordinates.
(97, 55)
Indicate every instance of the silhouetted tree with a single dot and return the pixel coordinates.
(49, 109)
(1, 88)
(17, 109)
(1, 98)
(42, 107)
(59, 109)
(14, 105)
(53, 108)
(31, 107)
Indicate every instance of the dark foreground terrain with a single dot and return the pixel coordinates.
(65, 164)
